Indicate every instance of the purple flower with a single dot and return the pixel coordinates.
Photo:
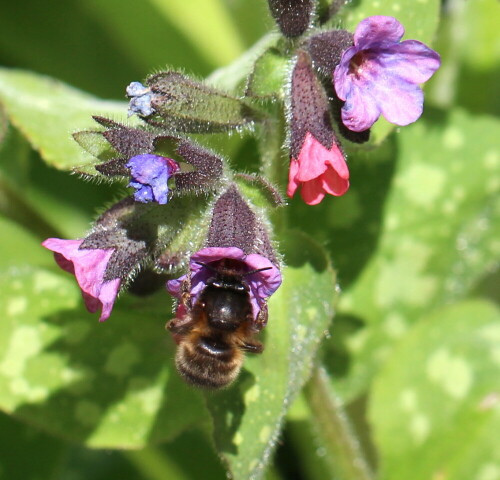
(150, 174)
(261, 284)
(380, 75)
(89, 267)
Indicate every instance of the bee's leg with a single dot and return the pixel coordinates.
(186, 292)
(180, 325)
(252, 347)
(182, 322)
(261, 320)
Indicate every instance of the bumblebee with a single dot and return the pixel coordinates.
(213, 334)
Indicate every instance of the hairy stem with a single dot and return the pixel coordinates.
(347, 460)
(153, 464)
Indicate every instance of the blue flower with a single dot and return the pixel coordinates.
(140, 100)
(150, 174)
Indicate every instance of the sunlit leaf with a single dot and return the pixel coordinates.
(47, 112)
(435, 406)
(439, 234)
(104, 385)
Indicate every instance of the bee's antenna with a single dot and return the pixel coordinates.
(251, 272)
(206, 265)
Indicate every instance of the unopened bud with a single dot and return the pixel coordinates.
(292, 16)
(182, 104)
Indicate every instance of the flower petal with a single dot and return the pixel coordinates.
(334, 183)
(312, 192)
(400, 102)
(360, 110)
(410, 60)
(341, 78)
(89, 267)
(312, 159)
(377, 29)
(150, 174)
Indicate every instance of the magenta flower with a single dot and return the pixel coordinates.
(380, 75)
(261, 284)
(318, 170)
(89, 267)
(150, 174)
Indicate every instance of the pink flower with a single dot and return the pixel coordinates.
(318, 171)
(89, 268)
(261, 284)
(380, 75)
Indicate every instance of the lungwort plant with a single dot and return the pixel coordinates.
(320, 243)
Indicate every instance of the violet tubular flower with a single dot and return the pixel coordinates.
(150, 174)
(262, 284)
(89, 267)
(380, 75)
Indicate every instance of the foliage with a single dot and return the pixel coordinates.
(414, 246)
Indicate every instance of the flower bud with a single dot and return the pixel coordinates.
(292, 16)
(181, 104)
(317, 161)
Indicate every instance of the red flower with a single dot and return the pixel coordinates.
(318, 171)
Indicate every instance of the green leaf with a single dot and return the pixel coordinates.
(109, 385)
(18, 246)
(22, 443)
(248, 417)
(439, 234)
(47, 111)
(269, 75)
(200, 20)
(435, 405)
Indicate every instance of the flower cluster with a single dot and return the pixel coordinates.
(339, 84)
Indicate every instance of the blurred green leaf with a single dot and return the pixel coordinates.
(61, 39)
(28, 454)
(46, 112)
(200, 20)
(146, 38)
(439, 235)
(249, 416)
(19, 246)
(109, 385)
(435, 405)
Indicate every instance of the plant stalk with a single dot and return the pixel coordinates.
(346, 458)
